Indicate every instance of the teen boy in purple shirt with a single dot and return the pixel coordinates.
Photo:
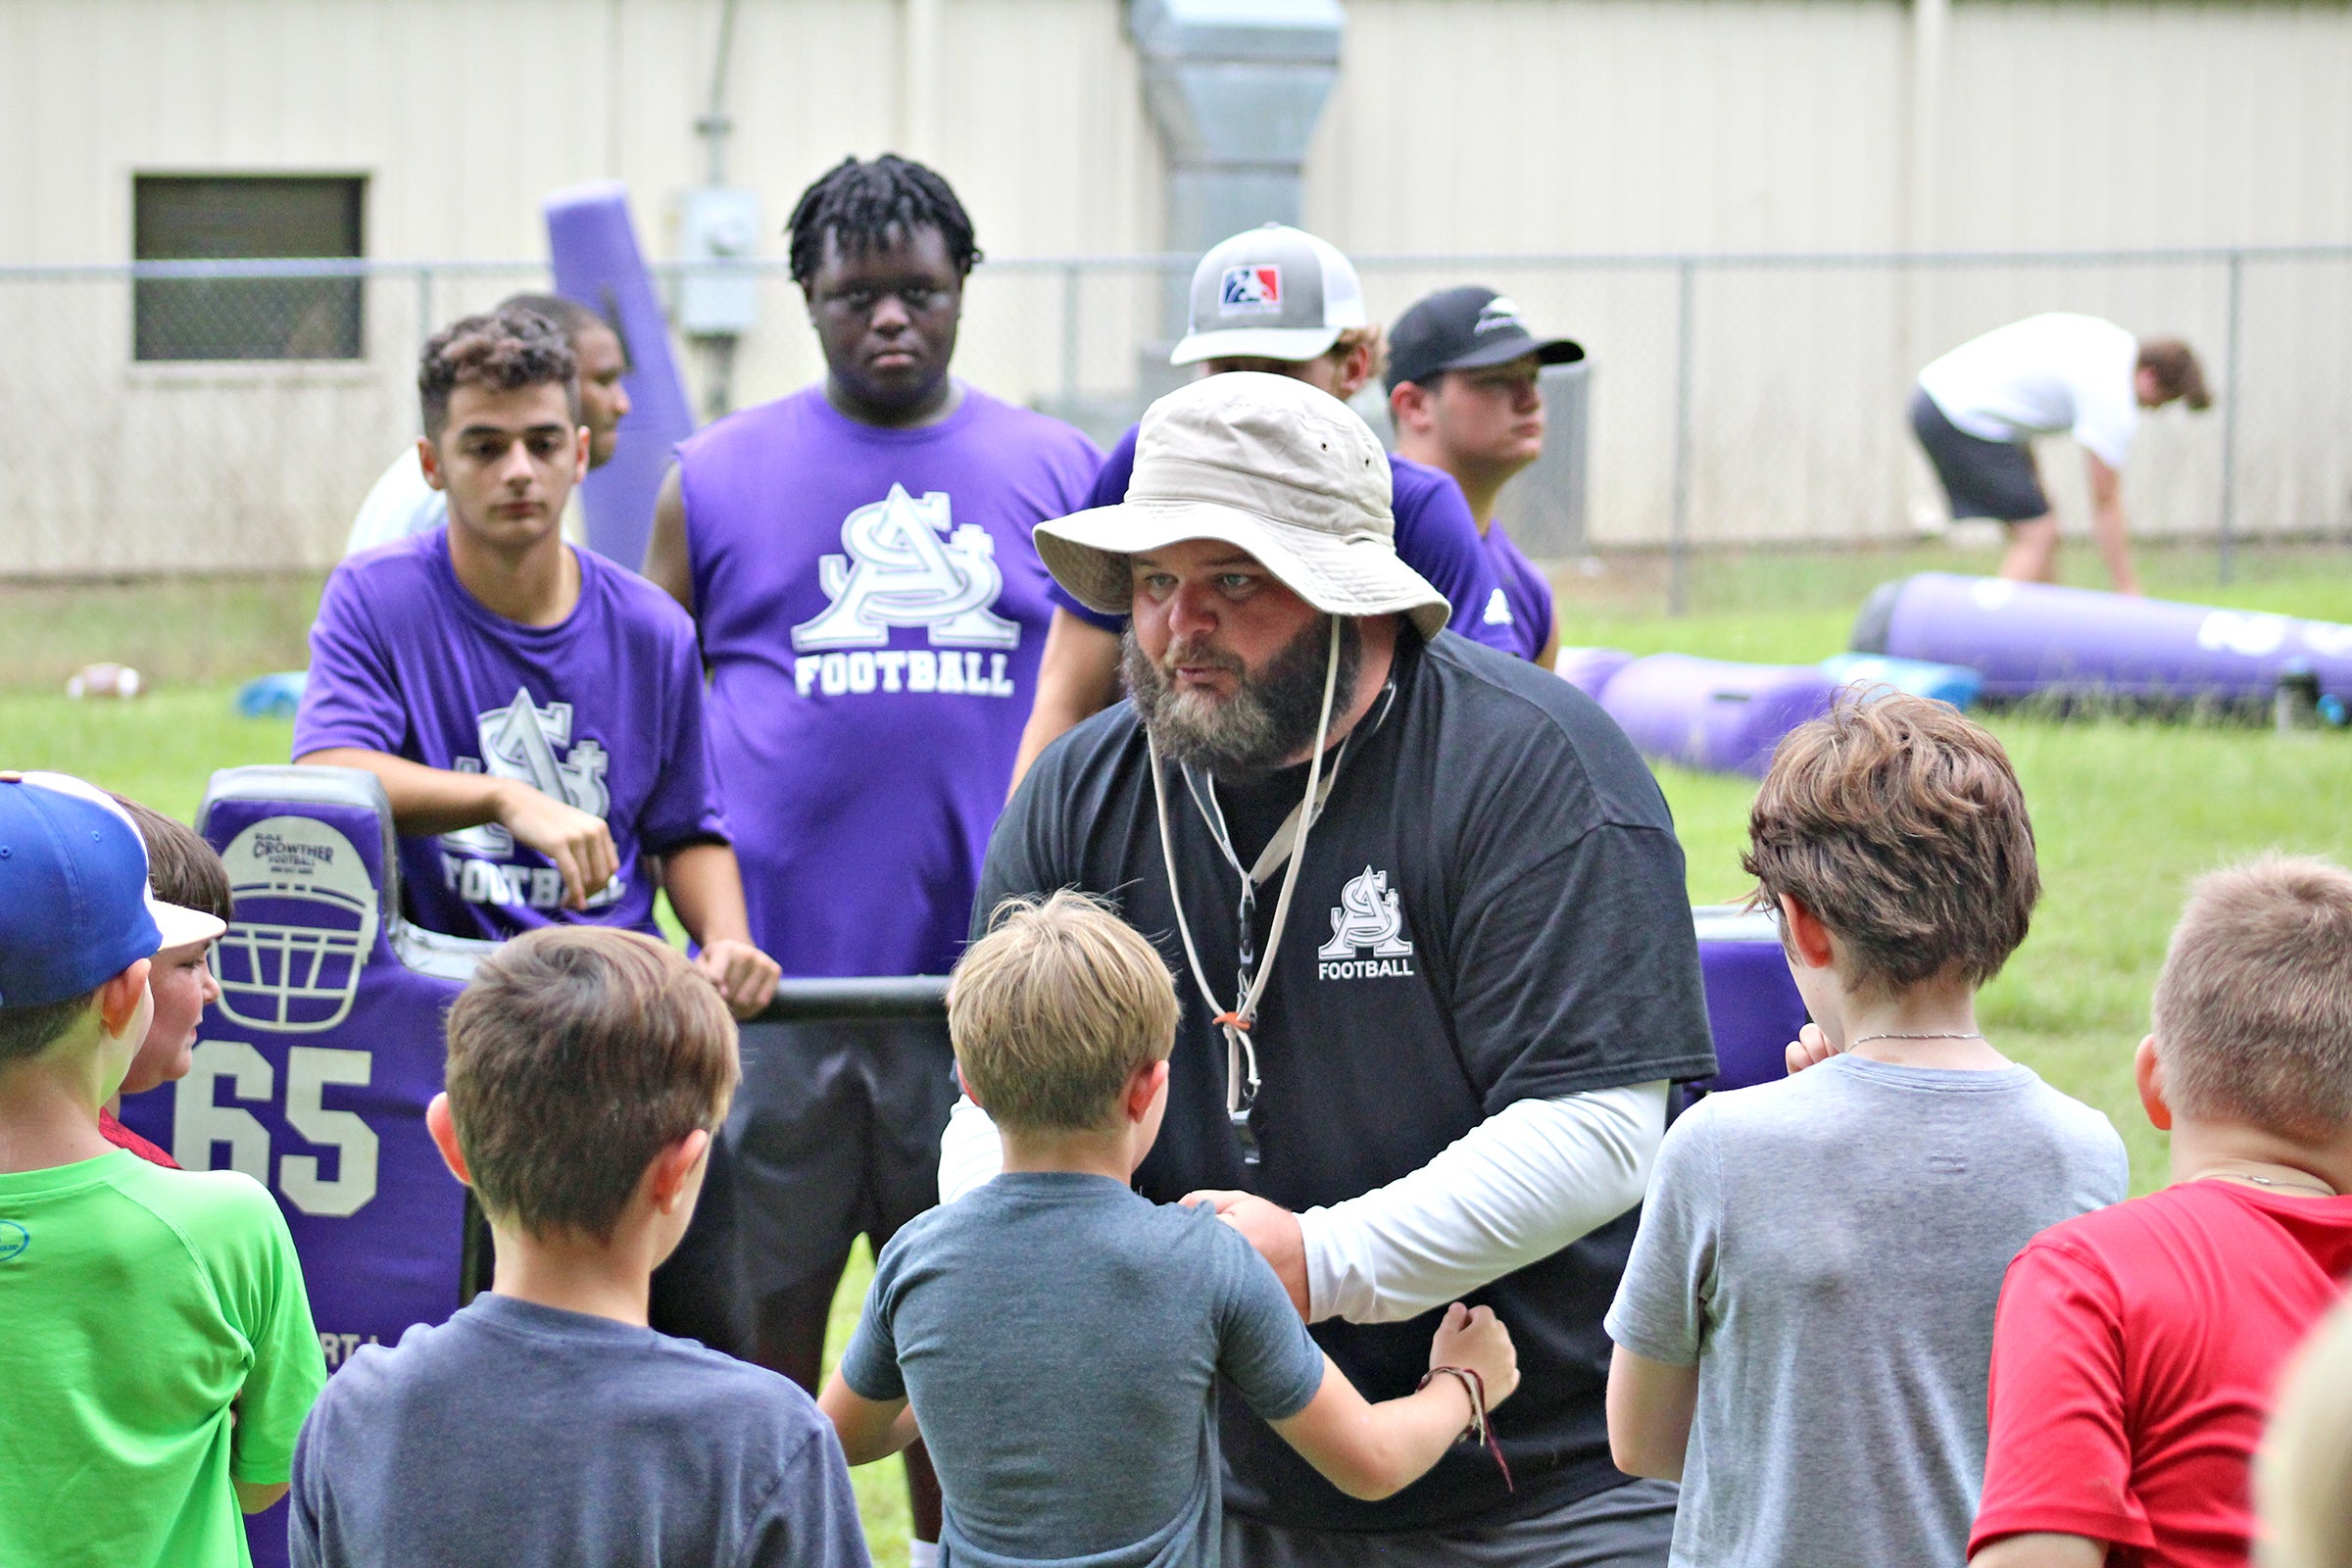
(858, 558)
(1280, 300)
(533, 712)
(1463, 394)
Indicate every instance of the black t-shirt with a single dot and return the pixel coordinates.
(1491, 909)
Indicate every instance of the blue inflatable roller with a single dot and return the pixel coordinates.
(1956, 684)
(1709, 714)
(1589, 669)
(593, 248)
(2031, 638)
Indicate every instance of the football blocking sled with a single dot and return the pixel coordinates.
(313, 1070)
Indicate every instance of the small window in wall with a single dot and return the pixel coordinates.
(178, 218)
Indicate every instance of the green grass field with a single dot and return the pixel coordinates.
(2127, 813)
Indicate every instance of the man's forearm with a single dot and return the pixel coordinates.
(425, 801)
(1518, 1187)
(705, 885)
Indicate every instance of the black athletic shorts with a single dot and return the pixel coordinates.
(1983, 478)
(834, 1134)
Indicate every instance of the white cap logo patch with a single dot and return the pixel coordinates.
(1253, 290)
(1498, 313)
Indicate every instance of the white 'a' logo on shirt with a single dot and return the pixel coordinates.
(906, 566)
(1368, 915)
(1499, 610)
(519, 741)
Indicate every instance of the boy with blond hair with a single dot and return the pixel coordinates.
(1060, 1341)
(2138, 1350)
(156, 1346)
(1804, 1324)
(589, 1070)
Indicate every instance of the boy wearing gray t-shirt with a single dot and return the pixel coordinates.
(1059, 1339)
(1804, 1328)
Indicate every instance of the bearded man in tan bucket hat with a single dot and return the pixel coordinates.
(1430, 910)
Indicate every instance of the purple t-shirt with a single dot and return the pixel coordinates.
(1434, 536)
(1521, 605)
(603, 709)
(872, 611)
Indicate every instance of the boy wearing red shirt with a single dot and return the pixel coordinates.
(2137, 1349)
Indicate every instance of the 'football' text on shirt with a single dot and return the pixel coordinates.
(912, 669)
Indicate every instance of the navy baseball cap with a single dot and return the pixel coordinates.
(76, 909)
(1466, 328)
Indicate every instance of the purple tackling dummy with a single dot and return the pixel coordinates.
(593, 246)
(313, 1070)
(2028, 638)
(602, 711)
(873, 611)
(1710, 715)
(1753, 1008)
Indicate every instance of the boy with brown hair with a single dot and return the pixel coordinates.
(182, 871)
(545, 1423)
(1061, 1341)
(2137, 1351)
(157, 1352)
(1804, 1324)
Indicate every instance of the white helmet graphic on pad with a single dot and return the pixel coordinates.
(305, 926)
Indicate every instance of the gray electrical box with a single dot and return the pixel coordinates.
(718, 224)
(1544, 505)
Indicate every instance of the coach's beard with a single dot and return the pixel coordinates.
(1271, 715)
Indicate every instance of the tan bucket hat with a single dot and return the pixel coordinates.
(1266, 464)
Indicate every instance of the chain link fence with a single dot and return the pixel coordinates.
(211, 417)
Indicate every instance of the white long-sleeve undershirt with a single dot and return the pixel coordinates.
(1518, 1187)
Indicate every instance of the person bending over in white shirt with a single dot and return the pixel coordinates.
(1978, 408)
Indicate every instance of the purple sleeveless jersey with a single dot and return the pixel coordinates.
(604, 710)
(873, 611)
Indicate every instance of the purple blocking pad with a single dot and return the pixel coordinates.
(1589, 669)
(2030, 638)
(594, 249)
(1709, 714)
(313, 1070)
(1752, 1004)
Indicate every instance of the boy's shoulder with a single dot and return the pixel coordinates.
(496, 1346)
(208, 1209)
(1086, 1221)
(632, 600)
(1834, 1103)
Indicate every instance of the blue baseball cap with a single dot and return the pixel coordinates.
(75, 906)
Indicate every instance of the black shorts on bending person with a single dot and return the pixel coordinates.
(1982, 478)
(834, 1134)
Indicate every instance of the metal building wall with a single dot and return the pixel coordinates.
(1458, 126)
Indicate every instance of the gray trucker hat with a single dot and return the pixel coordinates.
(1270, 293)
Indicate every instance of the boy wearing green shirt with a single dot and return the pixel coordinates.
(158, 1356)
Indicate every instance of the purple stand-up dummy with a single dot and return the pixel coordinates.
(1752, 1005)
(1589, 669)
(597, 262)
(2030, 638)
(1706, 713)
(314, 1068)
